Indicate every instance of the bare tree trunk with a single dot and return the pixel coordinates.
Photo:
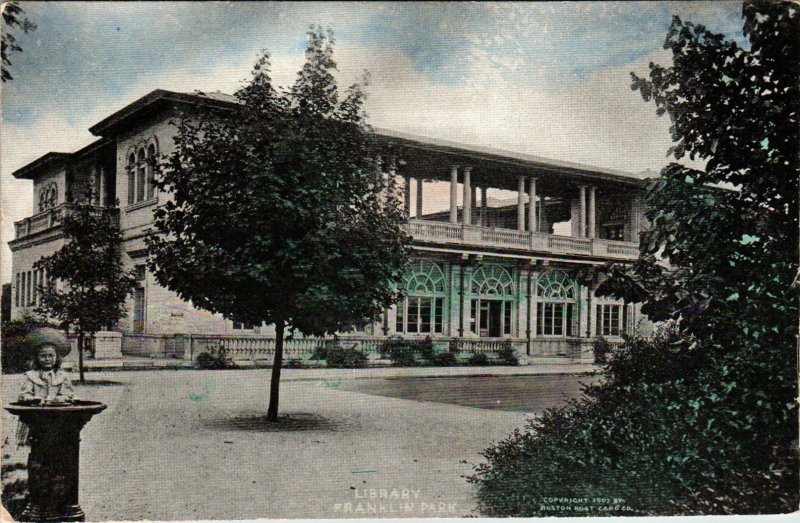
(80, 354)
(275, 383)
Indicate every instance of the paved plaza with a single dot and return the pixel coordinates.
(194, 444)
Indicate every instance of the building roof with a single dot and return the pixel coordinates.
(49, 161)
(494, 154)
(160, 99)
(55, 160)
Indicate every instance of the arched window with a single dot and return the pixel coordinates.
(131, 168)
(151, 163)
(140, 175)
(492, 303)
(557, 304)
(421, 311)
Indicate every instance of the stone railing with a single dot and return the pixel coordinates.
(260, 349)
(44, 220)
(470, 235)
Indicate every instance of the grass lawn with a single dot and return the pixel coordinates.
(195, 444)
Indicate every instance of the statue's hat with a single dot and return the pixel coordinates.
(48, 336)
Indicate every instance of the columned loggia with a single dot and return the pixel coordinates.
(483, 216)
(454, 194)
(474, 199)
(592, 215)
(521, 203)
(582, 218)
(467, 203)
(533, 225)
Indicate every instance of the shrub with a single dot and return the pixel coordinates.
(478, 359)
(507, 355)
(407, 353)
(672, 429)
(345, 358)
(601, 347)
(215, 358)
(15, 355)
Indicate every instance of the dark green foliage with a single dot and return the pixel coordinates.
(12, 20)
(16, 355)
(279, 215)
(656, 432)
(507, 355)
(702, 419)
(215, 358)
(345, 358)
(478, 359)
(601, 347)
(92, 283)
(408, 353)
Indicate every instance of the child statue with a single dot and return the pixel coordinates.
(46, 381)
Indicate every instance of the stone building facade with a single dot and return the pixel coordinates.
(515, 254)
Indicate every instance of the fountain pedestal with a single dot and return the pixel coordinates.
(54, 461)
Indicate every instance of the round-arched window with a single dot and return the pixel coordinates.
(556, 285)
(131, 168)
(151, 164)
(557, 304)
(421, 310)
(492, 280)
(492, 304)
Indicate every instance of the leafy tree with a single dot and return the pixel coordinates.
(12, 19)
(730, 230)
(279, 215)
(89, 267)
(701, 419)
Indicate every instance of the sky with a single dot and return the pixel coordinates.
(550, 79)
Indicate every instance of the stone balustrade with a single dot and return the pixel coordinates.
(43, 220)
(474, 236)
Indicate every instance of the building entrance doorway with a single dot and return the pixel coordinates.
(492, 317)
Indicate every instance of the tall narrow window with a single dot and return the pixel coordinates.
(139, 300)
(140, 175)
(35, 287)
(131, 179)
(29, 295)
(16, 294)
(151, 163)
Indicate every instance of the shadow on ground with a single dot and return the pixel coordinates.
(295, 422)
(98, 383)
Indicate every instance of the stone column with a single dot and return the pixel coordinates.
(532, 224)
(483, 217)
(454, 194)
(419, 198)
(474, 199)
(592, 214)
(582, 213)
(467, 205)
(521, 203)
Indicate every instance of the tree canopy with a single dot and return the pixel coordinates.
(278, 211)
(702, 417)
(12, 20)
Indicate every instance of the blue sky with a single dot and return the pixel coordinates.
(544, 78)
